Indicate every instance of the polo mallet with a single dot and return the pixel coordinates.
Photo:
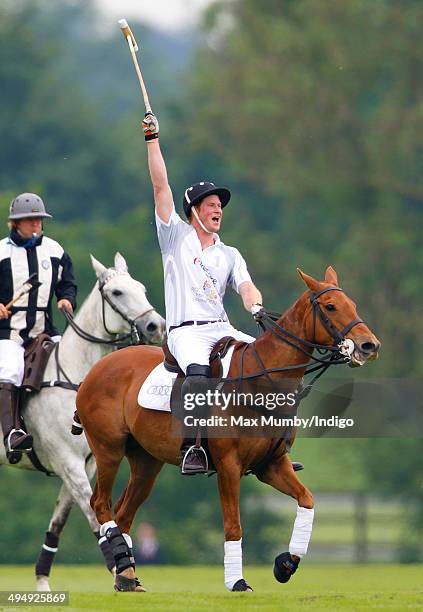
(133, 47)
(30, 284)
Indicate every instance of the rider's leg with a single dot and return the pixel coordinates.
(194, 457)
(15, 439)
(191, 347)
(11, 374)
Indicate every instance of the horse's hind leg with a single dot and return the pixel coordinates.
(76, 477)
(280, 475)
(144, 471)
(48, 551)
(101, 502)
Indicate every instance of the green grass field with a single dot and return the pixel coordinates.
(197, 588)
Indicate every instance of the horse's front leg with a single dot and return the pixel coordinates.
(280, 475)
(228, 477)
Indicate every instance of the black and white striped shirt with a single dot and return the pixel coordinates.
(32, 313)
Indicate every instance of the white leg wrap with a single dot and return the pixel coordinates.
(105, 526)
(233, 563)
(301, 533)
(128, 539)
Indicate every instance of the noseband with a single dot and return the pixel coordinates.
(332, 354)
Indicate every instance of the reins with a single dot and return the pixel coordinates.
(336, 355)
(121, 340)
(267, 321)
(117, 342)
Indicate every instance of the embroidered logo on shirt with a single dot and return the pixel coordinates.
(210, 291)
(45, 264)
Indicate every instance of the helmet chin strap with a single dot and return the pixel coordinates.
(194, 212)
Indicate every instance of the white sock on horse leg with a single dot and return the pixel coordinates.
(105, 526)
(301, 533)
(233, 562)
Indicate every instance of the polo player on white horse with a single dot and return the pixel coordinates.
(25, 252)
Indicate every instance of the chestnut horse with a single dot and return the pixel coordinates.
(116, 426)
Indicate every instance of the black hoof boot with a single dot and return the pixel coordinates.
(241, 585)
(123, 584)
(284, 567)
(297, 466)
(77, 428)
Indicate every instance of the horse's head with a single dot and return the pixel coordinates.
(125, 303)
(332, 317)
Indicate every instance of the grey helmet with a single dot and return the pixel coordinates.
(27, 205)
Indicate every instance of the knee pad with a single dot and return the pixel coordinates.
(196, 381)
(195, 369)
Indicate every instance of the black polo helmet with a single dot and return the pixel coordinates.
(198, 191)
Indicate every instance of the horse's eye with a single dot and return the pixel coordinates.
(117, 292)
(330, 307)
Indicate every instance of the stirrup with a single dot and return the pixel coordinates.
(195, 461)
(23, 445)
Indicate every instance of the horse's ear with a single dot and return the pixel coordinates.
(331, 277)
(120, 263)
(99, 269)
(311, 282)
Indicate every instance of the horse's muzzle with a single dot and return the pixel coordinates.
(152, 328)
(366, 349)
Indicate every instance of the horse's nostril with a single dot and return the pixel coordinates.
(368, 347)
(151, 327)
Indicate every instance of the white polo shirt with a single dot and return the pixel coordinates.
(195, 281)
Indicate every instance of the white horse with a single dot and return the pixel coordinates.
(117, 305)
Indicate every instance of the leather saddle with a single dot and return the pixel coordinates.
(217, 354)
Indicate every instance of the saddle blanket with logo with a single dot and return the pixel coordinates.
(157, 387)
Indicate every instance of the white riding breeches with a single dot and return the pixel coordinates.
(193, 343)
(11, 362)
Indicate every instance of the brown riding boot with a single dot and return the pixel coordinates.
(16, 440)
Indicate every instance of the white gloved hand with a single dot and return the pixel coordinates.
(150, 125)
(255, 309)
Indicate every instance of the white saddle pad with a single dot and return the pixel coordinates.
(156, 389)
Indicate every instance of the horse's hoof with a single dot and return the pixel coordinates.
(241, 585)
(123, 584)
(284, 567)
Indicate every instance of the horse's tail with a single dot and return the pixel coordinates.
(77, 428)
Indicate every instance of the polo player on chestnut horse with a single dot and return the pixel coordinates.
(323, 318)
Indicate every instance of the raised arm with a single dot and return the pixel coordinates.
(163, 198)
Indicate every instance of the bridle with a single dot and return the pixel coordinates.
(338, 336)
(118, 340)
(331, 354)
